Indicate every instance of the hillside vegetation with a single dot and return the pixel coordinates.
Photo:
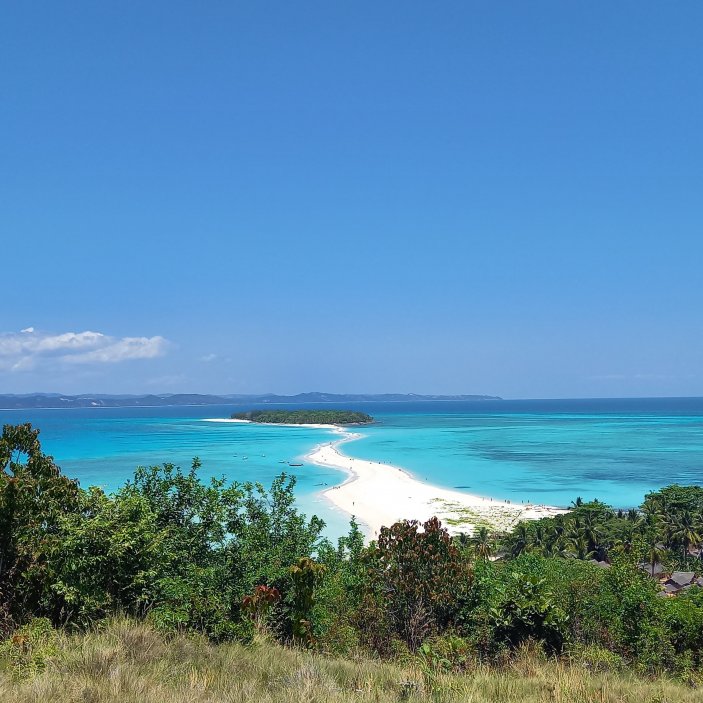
(128, 662)
(305, 417)
(587, 600)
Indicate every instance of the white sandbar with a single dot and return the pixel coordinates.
(379, 494)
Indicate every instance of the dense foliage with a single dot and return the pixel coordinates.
(666, 532)
(305, 417)
(237, 561)
(167, 546)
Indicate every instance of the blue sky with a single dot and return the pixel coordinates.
(451, 197)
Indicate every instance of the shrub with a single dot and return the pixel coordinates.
(446, 652)
(30, 647)
(305, 575)
(34, 498)
(596, 658)
(416, 580)
(527, 612)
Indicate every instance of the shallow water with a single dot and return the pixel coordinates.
(547, 453)
(538, 451)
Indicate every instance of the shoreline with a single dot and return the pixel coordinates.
(314, 425)
(379, 494)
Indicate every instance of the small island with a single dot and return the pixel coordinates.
(305, 417)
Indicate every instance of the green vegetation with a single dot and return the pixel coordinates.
(305, 417)
(129, 662)
(667, 532)
(232, 594)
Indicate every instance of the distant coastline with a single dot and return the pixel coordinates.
(55, 401)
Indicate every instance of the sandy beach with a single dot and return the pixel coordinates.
(336, 428)
(379, 494)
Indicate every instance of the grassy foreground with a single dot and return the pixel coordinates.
(130, 662)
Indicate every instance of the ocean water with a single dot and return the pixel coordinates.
(547, 452)
(538, 451)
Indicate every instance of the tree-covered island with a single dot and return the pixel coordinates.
(305, 417)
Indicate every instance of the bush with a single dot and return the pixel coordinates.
(416, 582)
(447, 652)
(596, 658)
(527, 612)
(30, 647)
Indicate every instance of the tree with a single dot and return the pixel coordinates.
(625, 542)
(528, 611)
(519, 541)
(108, 558)
(684, 530)
(34, 497)
(258, 606)
(578, 547)
(266, 534)
(591, 531)
(483, 543)
(305, 574)
(416, 578)
(654, 553)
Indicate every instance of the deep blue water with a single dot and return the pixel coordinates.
(544, 451)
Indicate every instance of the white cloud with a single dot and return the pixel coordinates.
(208, 358)
(25, 350)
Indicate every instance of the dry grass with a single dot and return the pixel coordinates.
(130, 663)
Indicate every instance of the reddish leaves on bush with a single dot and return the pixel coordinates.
(416, 577)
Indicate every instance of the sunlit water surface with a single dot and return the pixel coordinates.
(538, 451)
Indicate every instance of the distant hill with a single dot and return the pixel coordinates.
(56, 400)
(354, 397)
(52, 400)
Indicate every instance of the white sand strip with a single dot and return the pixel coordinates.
(335, 428)
(379, 494)
(223, 419)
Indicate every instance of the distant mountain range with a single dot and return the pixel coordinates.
(56, 400)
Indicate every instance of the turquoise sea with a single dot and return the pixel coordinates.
(545, 451)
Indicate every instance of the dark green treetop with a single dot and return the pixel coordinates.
(305, 417)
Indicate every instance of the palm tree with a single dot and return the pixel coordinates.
(558, 534)
(519, 540)
(653, 507)
(483, 543)
(685, 530)
(591, 532)
(579, 542)
(579, 547)
(648, 522)
(626, 540)
(539, 539)
(463, 540)
(654, 553)
(575, 528)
